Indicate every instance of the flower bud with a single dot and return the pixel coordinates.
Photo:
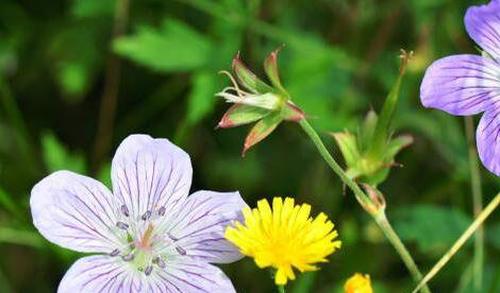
(256, 101)
(358, 283)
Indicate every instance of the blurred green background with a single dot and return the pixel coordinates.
(58, 61)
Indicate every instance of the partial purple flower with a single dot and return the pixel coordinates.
(470, 84)
(150, 236)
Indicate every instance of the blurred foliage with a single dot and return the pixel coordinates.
(339, 61)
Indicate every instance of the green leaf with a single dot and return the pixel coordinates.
(92, 8)
(173, 47)
(21, 237)
(73, 78)
(201, 99)
(493, 235)
(57, 157)
(75, 56)
(433, 228)
(7, 202)
(104, 175)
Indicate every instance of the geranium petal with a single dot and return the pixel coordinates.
(74, 211)
(101, 273)
(199, 227)
(483, 25)
(149, 174)
(488, 140)
(182, 275)
(461, 84)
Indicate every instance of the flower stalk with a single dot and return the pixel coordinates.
(460, 242)
(366, 202)
(477, 197)
(281, 289)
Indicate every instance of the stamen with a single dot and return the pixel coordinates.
(161, 211)
(160, 262)
(115, 252)
(124, 210)
(122, 225)
(148, 270)
(128, 257)
(172, 237)
(180, 250)
(146, 215)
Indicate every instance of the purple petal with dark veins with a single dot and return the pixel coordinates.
(184, 275)
(488, 140)
(108, 274)
(75, 212)
(200, 225)
(149, 174)
(483, 25)
(102, 274)
(461, 84)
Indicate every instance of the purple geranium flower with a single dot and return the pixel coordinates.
(470, 84)
(149, 235)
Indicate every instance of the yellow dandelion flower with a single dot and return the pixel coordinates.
(284, 237)
(358, 283)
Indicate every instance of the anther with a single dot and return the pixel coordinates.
(146, 215)
(122, 225)
(161, 211)
(114, 252)
(180, 250)
(172, 237)
(159, 261)
(128, 257)
(148, 270)
(124, 210)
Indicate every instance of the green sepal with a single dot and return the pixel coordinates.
(395, 145)
(348, 146)
(248, 79)
(261, 130)
(290, 112)
(382, 129)
(271, 69)
(365, 133)
(240, 114)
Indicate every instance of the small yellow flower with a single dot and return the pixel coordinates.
(284, 237)
(358, 283)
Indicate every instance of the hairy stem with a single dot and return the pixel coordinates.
(461, 241)
(477, 196)
(110, 93)
(364, 201)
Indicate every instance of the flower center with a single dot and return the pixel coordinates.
(147, 242)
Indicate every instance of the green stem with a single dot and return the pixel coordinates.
(109, 97)
(461, 241)
(364, 201)
(20, 237)
(281, 288)
(477, 196)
